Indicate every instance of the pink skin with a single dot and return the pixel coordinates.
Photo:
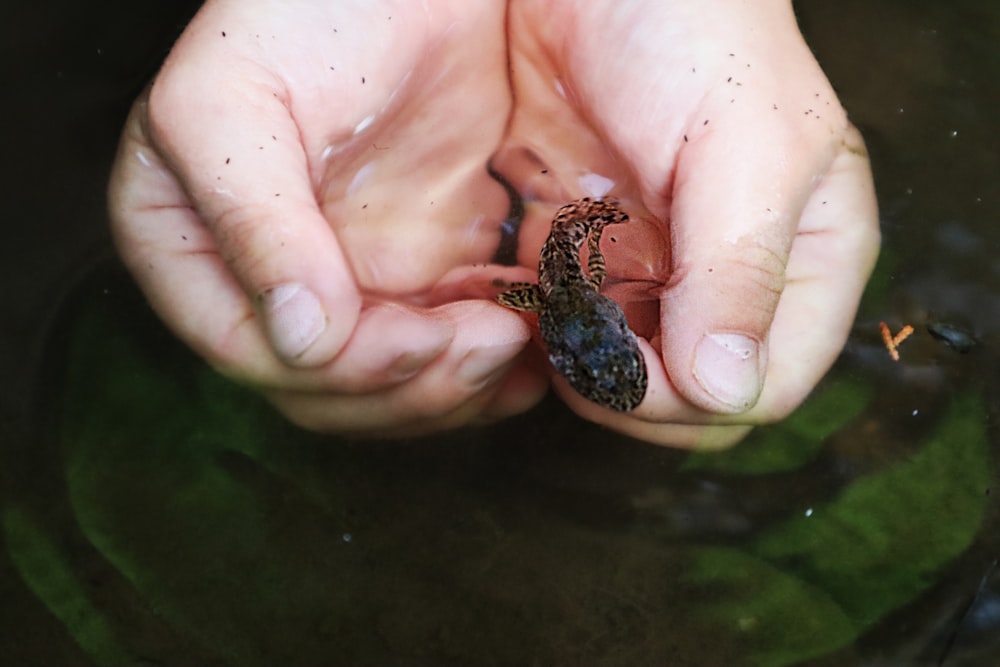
(303, 229)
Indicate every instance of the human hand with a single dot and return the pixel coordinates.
(714, 118)
(290, 191)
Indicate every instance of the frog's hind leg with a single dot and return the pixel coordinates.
(607, 213)
(522, 296)
(596, 268)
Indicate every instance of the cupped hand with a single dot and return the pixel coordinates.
(298, 178)
(754, 218)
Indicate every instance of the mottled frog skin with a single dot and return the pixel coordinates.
(586, 333)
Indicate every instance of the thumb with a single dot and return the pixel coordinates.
(239, 157)
(737, 201)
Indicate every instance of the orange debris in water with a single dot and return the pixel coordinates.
(892, 342)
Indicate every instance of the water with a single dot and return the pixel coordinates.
(155, 514)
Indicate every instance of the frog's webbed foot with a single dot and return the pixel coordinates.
(521, 296)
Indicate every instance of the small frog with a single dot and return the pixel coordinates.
(586, 333)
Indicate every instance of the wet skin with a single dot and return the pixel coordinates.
(586, 333)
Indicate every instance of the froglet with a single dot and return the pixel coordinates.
(586, 334)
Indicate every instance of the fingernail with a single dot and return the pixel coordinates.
(727, 366)
(293, 318)
(484, 364)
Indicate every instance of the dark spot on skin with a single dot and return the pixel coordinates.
(774, 106)
(332, 69)
(227, 160)
(545, 171)
(613, 239)
(274, 137)
(729, 79)
(685, 138)
(710, 269)
(824, 203)
(706, 122)
(732, 55)
(184, 237)
(277, 194)
(223, 33)
(365, 206)
(362, 79)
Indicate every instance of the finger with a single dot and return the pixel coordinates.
(519, 391)
(230, 138)
(452, 390)
(833, 256)
(390, 344)
(664, 417)
(523, 388)
(663, 405)
(692, 430)
(682, 436)
(175, 260)
(738, 197)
